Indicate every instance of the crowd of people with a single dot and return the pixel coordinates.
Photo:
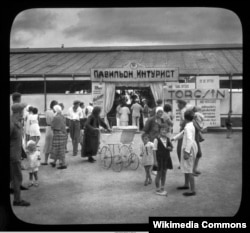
(25, 135)
(155, 149)
(157, 145)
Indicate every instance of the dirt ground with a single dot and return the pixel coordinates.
(85, 193)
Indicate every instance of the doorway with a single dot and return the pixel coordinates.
(130, 94)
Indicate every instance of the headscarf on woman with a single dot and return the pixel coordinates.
(58, 125)
(152, 126)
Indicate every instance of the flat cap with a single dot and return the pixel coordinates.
(17, 107)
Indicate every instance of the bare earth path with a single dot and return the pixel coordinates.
(86, 193)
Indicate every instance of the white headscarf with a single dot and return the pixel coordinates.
(159, 109)
(57, 108)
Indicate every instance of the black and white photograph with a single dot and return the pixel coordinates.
(121, 114)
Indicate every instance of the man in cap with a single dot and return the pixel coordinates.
(136, 113)
(182, 107)
(75, 114)
(16, 132)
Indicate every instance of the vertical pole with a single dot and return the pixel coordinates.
(230, 100)
(45, 93)
(229, 123)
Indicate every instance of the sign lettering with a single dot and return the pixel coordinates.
(140, 74)
(195, 94)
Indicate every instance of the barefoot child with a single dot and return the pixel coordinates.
(188, 153)
(147, 157)
(34, 162)
(162, 159)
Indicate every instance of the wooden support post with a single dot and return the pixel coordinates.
(45, 93)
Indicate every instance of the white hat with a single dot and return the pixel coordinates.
(159, 109)
(57, 108)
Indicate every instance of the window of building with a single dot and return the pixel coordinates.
(62, 87)
(236, 84)
(27, 87)
(68, 86)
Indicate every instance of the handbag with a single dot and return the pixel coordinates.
(154, 168)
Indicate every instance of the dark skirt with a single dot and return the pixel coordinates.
(164, 162)
(58, 144)
(90, 144)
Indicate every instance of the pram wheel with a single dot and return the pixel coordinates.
(124, 153)
(106, 157)
(133, 161)
(117, 163)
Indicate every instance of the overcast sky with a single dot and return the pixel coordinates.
(42, 28)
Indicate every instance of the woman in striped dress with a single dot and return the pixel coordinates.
(49, 132)
(58, 126)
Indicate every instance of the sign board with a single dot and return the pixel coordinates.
(175, 85)
(207, 82)
(210, 108)
(98, 96)
(211, 111)
(139, 74)
(195, 93)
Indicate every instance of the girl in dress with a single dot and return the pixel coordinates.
(34, 162)
(34, 126)
(188, 152)
(162, 159)
(146, 149)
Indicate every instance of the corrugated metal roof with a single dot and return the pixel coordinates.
(191, 60)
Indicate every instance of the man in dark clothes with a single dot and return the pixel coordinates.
(16, 132)
(16, 98)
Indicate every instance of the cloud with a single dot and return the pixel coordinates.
(162, 25)
(31, 24)
(125, 26)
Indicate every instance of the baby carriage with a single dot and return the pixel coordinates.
(117, 151)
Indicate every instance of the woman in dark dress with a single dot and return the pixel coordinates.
(91, 138)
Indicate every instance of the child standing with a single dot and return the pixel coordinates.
(147, 157)
(34, 162)
(162, 159)
(188, 152)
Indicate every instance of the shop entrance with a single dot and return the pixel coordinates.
(130, 94)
